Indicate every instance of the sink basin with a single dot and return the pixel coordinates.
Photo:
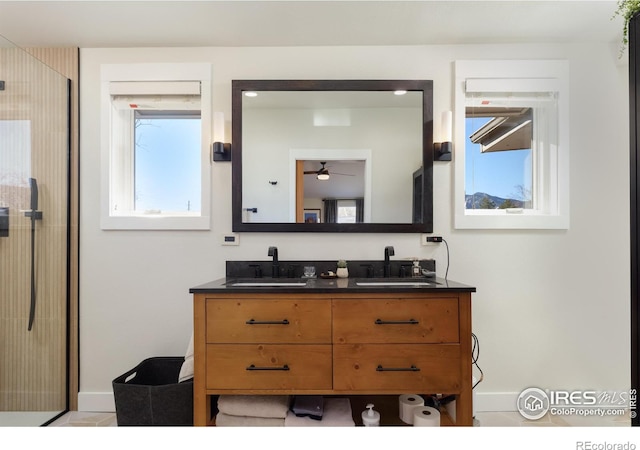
(393, 283)
(267, 284)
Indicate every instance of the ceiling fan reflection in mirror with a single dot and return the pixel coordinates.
(322, 174)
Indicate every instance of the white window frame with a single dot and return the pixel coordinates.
(551, 176)
(113, 180)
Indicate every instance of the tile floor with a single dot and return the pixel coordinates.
(514, 419)
(502, 429)
(483, 419)
(86, 419)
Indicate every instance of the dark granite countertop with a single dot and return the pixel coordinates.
(332, 285)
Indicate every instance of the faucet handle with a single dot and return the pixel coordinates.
(370, 271)
(291, 270)
(405, 269)
(257, 270)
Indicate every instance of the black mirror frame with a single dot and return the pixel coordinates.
(240, 86)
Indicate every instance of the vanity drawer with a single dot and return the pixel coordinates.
(395, 367)
(243, 321)
(396, 320)
(264, 366)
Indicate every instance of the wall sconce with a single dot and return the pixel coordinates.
(221, 150)
(442, 150)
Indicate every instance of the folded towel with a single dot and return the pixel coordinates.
(226, 420)
(270, 406)
(186, 371)
(337, 413)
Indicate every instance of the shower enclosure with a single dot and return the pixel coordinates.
(35, 143)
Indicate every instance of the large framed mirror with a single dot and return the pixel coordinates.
(332, 156)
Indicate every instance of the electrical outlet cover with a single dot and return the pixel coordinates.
(424, 236)
(230, 239)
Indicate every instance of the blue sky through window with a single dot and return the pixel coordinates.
(167, 164)
(500, 174)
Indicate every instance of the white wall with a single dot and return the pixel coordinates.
(551, 308)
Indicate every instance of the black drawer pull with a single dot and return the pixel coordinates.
(397, 369)
(267, 322)
(397, 322)
(253, 367)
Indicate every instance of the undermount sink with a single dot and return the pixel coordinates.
(393, 283)
(267, 284)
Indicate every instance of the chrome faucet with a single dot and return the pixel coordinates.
(275, 267)
(388, 252)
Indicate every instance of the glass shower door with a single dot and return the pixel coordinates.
(34, 239)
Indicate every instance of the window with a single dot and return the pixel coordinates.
(512, 146)
(155, 146)
(343, 210)
(346, 211)
(15, 159)
(167, 161)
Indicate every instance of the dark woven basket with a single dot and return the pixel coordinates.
(149, 394)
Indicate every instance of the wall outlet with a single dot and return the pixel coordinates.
(430, 239)
(230, 239)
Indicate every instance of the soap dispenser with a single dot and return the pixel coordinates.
(370, 417)
(416, 270)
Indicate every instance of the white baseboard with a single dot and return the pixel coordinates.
(96, 402)
(495, 401)
(484, 401)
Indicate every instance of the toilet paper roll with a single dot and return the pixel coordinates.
(426, 416)
(406, 405)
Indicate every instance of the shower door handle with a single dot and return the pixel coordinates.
(4, 221)
(34, 214)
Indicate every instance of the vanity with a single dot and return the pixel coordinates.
(307, 156)
(359, 337)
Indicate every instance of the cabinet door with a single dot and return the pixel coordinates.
(398, 320)
(269, 367)
(243, 321)
(397, 367)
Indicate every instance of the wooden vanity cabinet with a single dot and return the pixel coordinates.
(332, 344)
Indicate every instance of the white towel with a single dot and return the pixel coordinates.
(269, 406)
(186, 371)
(226, 420)
(337, 413)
